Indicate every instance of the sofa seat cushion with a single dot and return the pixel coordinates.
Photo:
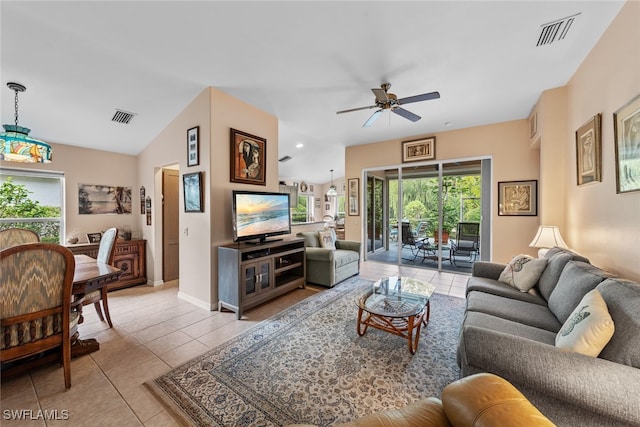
(343, 257)
(494, 287)
(487, 321)
(574, 282)
(526, 313)
(623, 301)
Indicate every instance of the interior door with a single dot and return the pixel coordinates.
(170, 227)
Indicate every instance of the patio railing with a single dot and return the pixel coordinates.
(49, 229)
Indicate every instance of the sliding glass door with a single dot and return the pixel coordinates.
(413, 212)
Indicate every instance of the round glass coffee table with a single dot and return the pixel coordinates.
(398, 305)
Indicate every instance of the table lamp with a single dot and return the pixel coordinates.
(547, 237)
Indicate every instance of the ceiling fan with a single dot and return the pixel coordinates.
(389, 101)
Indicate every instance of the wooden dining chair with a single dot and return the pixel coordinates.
(36, 280)
(17, 236)
(106, 251)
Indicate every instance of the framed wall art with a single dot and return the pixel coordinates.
(248, 158)
(588, 151)
(94, 237)
(142, 197)
(104, 199)
(626, 128)
(148, 206)
(518, 198)
(192, 187)
(419, 150)
(193, 146)
(354, 202)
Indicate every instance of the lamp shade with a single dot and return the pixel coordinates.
(332, 189)
(548, 236)
(17, 146)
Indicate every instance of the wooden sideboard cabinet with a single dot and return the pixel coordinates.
(249, 275)
(130, 257)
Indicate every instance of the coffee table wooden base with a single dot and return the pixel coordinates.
(405, 327)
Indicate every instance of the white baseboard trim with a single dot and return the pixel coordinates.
(198, 303)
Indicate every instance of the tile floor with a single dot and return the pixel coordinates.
(153, 332)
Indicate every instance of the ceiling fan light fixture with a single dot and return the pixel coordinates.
(15, 143)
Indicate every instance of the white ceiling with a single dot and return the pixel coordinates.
(300, 61)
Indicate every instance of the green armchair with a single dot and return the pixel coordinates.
(328, 267)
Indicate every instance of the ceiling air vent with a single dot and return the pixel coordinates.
(122, 116)
(556, 30)
(284, 159)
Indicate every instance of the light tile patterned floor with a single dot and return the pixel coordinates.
(153, 332)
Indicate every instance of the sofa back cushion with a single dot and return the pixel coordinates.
(577, 278)
(558, 258)
(310, 239)
(623, 301)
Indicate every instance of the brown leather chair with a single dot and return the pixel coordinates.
(17, 236)
(106, 251)
(36, 280)
(480, 400)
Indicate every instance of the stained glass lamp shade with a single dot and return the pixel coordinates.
(15, 143)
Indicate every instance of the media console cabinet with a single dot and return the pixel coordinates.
(250, 274)
(130, 257)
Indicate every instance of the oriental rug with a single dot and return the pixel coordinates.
(307, 364)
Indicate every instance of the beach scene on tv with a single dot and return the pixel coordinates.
(261, 214)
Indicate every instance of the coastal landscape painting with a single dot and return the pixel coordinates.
(103, 199)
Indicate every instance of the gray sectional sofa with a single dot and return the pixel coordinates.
(512, 334)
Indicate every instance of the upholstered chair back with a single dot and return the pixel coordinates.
(107, 246)
(17, 236)
(36, 280)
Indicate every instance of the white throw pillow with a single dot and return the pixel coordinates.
(589, 327)
(326, 240)
(523, 272)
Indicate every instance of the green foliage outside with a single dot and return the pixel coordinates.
(420, 200)
(299, 213)
(15, 203)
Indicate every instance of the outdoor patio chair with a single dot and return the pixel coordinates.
(410, 239)
(467, 242)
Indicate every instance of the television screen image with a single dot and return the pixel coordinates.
(258, 215)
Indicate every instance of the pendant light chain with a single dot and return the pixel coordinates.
(16, 107)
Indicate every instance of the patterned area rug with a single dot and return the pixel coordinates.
(308, 365)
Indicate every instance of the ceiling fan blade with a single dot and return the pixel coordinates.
(381, 95)
(418, 98)
(356, 109)
(372, 119)
(406, 114)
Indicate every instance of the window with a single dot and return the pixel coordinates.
(303, 212)
(341, 210)
(34, 200)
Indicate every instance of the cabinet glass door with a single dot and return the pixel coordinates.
(264, 275)
(250, 280)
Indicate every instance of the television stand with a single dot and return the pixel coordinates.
(249, 275)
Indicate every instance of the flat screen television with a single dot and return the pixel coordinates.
(258, 215)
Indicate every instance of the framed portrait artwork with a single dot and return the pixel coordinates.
(518, 198)
(354, 202)
(626, 128)
(588, 151)
(248, 158)
(193, 146)
(419, 150)
(192, 187)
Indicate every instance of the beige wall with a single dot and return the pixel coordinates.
(601, 224)
(513, 160)
(85, 166)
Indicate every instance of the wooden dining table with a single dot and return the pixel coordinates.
(89, 275)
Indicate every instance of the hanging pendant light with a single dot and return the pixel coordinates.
(332, 189)
(15, 143)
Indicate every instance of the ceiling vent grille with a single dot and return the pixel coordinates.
(556, 30)
(284, 159)
(122, 116)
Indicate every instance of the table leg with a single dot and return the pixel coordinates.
(85, 346)
(361, 332)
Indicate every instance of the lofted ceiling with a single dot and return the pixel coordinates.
(301, 61)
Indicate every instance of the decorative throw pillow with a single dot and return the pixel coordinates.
(589, 327)
(523, 272)
(327, 240)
